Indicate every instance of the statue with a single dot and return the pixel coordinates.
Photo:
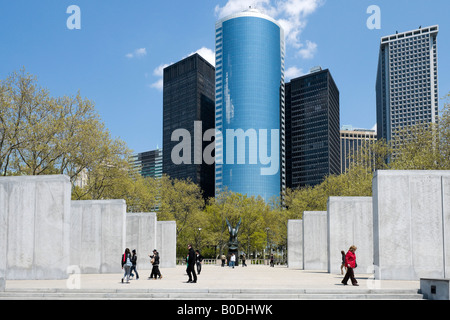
(233, 244)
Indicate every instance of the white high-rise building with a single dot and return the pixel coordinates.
(407, 80)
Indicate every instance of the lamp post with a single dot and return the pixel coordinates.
(199, 238)
(268, 243)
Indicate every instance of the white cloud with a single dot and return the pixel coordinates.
(158, 85)
(138, 53)
(291, 14)
(159, 72)
(233, 6)
(374, 127)
(309, 51)
(208, 54)
(293, 72)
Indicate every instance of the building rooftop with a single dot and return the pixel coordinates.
(250, 12)
(432, 29)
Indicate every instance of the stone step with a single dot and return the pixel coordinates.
(209, 294)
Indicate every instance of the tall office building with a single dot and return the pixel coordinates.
(312, 129)
(250, 104)
(352, 143)
(188, 107)
(407, 80)
(149, 163)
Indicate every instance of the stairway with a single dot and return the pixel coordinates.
(346, 293)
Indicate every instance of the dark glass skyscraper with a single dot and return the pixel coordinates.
(250, 104)
(188, 104)
(312, 129)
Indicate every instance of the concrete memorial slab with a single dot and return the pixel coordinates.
(411, 219)
(35, 214)
(315, 253)
(98, 231)
(350, 222)
(166, 243)
(295, 244)
(141, 235)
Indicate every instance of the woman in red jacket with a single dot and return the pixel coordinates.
(350, 263)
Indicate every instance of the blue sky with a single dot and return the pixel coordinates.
(116, 57)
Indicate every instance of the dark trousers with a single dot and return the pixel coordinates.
(349, 275)
(191, 272)
(155, 272)
(199, 267)
(133, 267)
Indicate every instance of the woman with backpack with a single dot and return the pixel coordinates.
(126, 264)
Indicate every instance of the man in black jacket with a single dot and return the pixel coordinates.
(198, 261)
(190, 260)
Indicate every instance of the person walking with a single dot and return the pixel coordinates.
(223, 258)
(126, 264)
(155, 263)
(190, 261)
(271, 260)
(134, 264)
(198, 261)
(232, 260)
(343, 262)
(350, 263)
(243, 260)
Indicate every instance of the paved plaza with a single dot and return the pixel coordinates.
(216, 282)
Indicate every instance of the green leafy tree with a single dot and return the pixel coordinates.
(424, 146)
(42, 135)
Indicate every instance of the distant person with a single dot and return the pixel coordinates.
(190, 261)
(350, 263)
(126, 265)
(343, 262)
(198, 261)
(243, 260)
(134, 264)
(232, 260)
(271, 260)
(223, 258)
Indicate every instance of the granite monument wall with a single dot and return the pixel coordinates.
(295, 244)
(141, 236)
(350, 222)
(35, 227)
(315, 253)
(166, 243)
(46, 236)
(411, 213)
(98, 231)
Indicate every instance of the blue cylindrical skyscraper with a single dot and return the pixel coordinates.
(250, 105)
